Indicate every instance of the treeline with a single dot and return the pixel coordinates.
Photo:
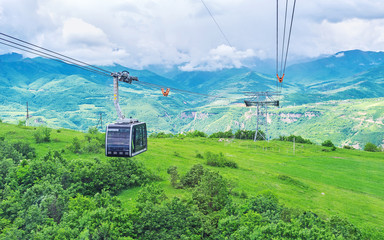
(239, 134)
(250, 135)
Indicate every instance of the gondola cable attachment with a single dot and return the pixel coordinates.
(125, 137)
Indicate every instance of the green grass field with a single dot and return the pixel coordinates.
(342, 182)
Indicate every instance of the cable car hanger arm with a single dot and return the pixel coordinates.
(123, 77)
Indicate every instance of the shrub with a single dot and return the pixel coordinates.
(370, 147)
(93, 146)
(348, 147)
(198, 155)
(193, 176)
(227, 134)
(298, 139)
(172, 170)
(93, 130)
(327, 143)
(196, 134)
(161, 135)
(25, 149)
(219, 160)
(75, 146)
(21, 123)
(43, 134)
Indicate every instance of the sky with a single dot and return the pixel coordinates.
(182, 33)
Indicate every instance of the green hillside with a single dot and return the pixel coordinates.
(59, 192)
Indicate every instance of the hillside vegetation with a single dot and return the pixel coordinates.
(64, 187)
(338, 97)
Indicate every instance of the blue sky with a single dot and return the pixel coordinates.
(138, 33)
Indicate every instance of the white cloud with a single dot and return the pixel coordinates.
(140, 33)
(221, 57)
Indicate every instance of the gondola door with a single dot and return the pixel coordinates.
(139, 139)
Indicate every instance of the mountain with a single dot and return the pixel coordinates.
(61, 95)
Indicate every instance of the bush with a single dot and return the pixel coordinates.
(93, 146)
(219, 160)
(161, 135)
(75, 147)
(172, 170)
(348, 147)
(43, 134)
(21, 123)
(227, 134)
(327, 143)
(93, 130)
(298, 139)
(196, 134)
(193, 176)
(25, 149)
(370, 147)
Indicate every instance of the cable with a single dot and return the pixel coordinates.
(218, 26)
(55, 59)
(87, 67)
(280, 72)
(290, 31)
(179, 90)
(55, 53)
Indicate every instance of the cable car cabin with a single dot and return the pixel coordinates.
(126, 139)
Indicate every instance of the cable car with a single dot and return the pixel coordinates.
(126, 138)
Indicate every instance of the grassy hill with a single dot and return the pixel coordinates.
(347, 183)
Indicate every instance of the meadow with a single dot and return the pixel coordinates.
(306, 177)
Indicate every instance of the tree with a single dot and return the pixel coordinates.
(172, 170)
(327, 143)
(211, 193)
(370, 147)
(43, 134)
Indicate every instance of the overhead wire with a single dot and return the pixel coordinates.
(217, 24)
(280, 72)
(48, 56)
(85, 66)
(56, 53)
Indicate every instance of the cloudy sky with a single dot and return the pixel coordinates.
(139, 33)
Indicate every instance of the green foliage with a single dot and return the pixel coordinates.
(193, 176)
(75, 146)
(161, 135)
(370, 147)
(7, 151)
(297, 139)
(150, 194)
(21, 123)
(327, 143)
(196, 134)
(247, 134)
(42, 134)
(174, 175)
(226, 134)
(92, 146)
(219, 160)
(170, 220)
(348, 147)
(211, 193)
(25, 149)
(93, 130)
